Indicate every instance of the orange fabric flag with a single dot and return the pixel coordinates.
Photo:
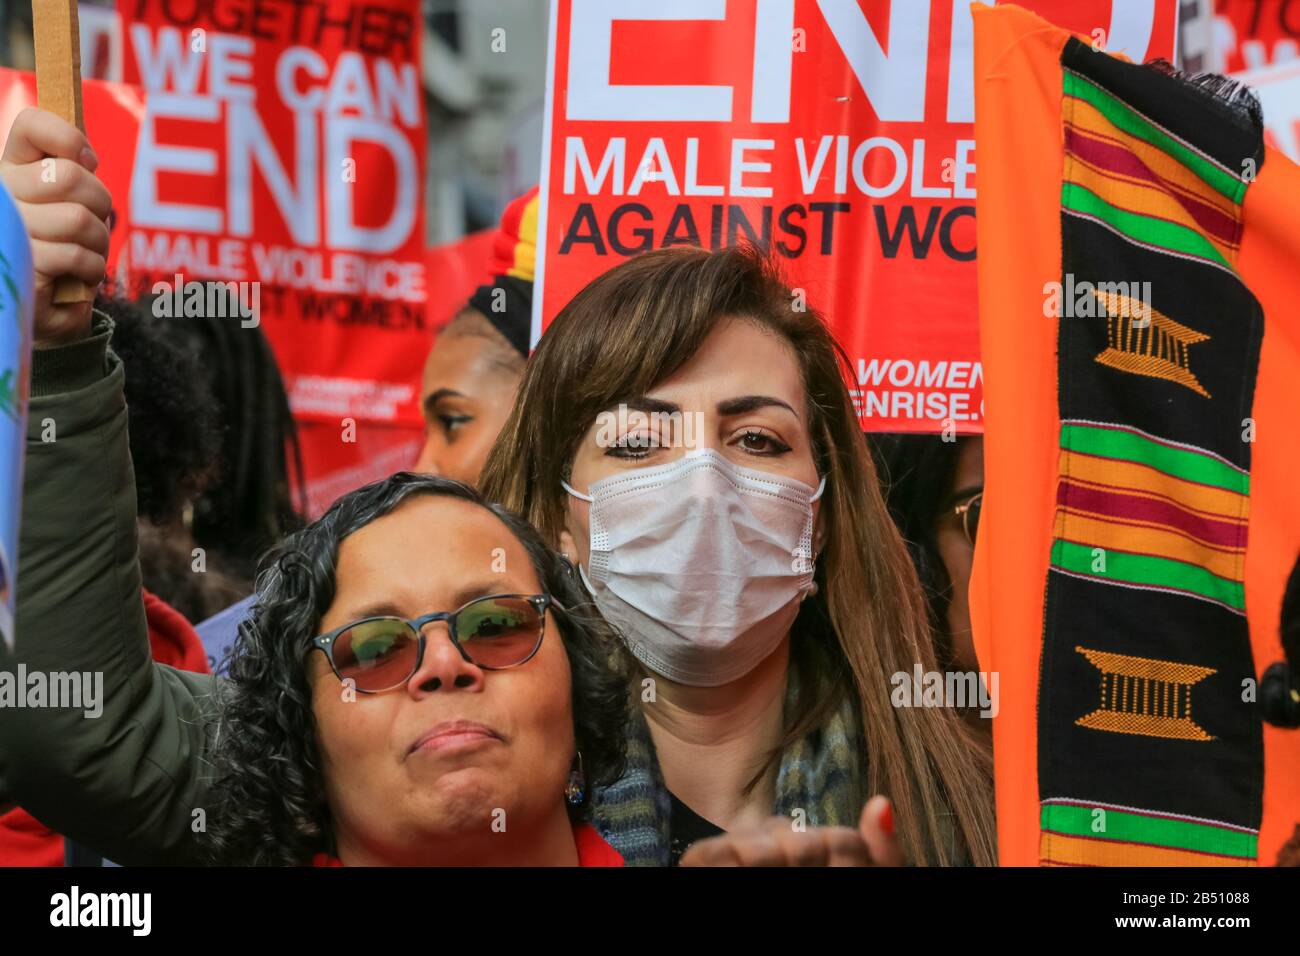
(1038, 499)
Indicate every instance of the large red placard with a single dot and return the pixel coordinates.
(838, 132)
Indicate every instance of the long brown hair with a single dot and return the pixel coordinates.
(634, 326)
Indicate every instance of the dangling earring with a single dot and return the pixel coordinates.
(576, 790)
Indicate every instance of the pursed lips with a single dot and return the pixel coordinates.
(453, 733)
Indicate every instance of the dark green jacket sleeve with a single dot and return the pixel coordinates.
(128, 782)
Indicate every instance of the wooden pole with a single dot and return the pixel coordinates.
(58, 89)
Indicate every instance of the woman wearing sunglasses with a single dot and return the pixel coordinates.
(684, 432)
(416, 689)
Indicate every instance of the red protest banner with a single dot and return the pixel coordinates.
(282, 149)
(334, 466)
(839, 132)
(1250, 34)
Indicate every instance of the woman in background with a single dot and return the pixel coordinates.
(935, 489)
(472, 372)
(255, 496)
(176, 434)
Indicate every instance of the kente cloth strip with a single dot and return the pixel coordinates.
(1149, 753)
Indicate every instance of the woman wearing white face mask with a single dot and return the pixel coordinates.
(702, 563)
(684, 432)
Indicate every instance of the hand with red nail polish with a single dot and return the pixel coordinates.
(777, 842)
(877, 829)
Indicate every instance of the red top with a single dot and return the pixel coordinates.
(592, 850)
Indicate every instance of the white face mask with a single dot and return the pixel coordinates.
(700, 563)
